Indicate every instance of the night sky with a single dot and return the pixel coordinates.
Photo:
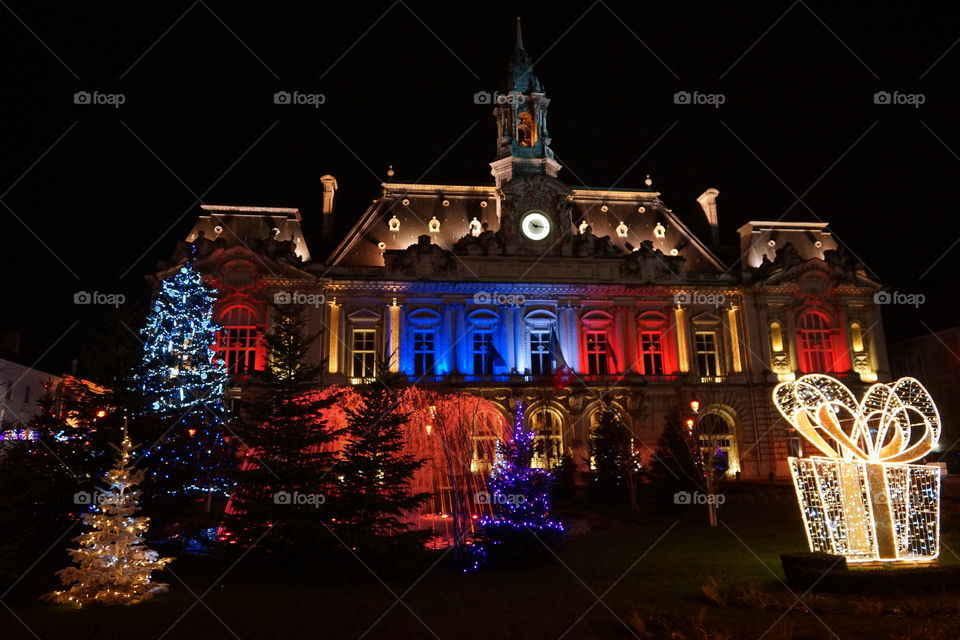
(95, 195)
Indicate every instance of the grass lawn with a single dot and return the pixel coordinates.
(641, 565)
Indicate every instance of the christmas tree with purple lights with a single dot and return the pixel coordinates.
(521, 528)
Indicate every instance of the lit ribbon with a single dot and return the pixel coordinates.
(879, 428)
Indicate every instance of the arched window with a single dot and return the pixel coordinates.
(718, 445)
(547, 426)
(816, 343)
(483, 354)
(598, 353)
(651, 344)
(776, 337)
(423, 331)
(856, 337)
(486, 426)
(541, 342)
(526, 130)
(239, 342)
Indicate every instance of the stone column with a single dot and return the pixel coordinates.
(683, 340)
(519, 339)
(462, 337)
(333, 347)
(447, 348)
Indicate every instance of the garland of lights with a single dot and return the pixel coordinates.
(114, 565)
(862, 499)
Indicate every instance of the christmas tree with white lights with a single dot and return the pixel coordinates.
(113, 563)
(521, 527)
(183, 383)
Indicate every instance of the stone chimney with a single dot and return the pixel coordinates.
(708, 202)
(329, 191)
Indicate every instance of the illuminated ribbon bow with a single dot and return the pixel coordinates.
(896, 423)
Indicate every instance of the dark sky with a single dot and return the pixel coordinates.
(95, 194)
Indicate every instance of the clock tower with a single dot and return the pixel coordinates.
(523, 141)
(534, 206)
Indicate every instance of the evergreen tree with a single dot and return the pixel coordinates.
(520, 498)
(564, 477)
(285, 479)
(183, 384)
(674, 467)
(612, 457)
(114, 565)
(44, 478)
(373, 492)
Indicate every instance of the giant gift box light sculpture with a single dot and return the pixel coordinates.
(861, 499)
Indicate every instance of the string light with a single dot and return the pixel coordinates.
(862, 499)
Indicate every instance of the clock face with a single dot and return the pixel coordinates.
(535, 225)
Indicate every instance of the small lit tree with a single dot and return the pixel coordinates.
(520, 528)
(113, 563)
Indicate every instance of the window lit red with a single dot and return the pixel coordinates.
(816, 344)
(238, 342)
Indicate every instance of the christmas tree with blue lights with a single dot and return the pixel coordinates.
(183, 384)
(521, 529)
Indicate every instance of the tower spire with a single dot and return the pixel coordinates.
(523, 144)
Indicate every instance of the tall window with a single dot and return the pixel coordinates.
(816, 344)
(424, 352)
(482, 349)
(541, 358)
(526, 129)
(546, 425)
(597, 352)
(364, 353)
(238, 340)
(705, 345)
(651, 353)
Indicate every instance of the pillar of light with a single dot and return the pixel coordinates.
(681, 325)
(734, 339)
(395, 337)
(334, 345)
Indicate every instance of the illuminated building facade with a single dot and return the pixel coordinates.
(562, 297)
